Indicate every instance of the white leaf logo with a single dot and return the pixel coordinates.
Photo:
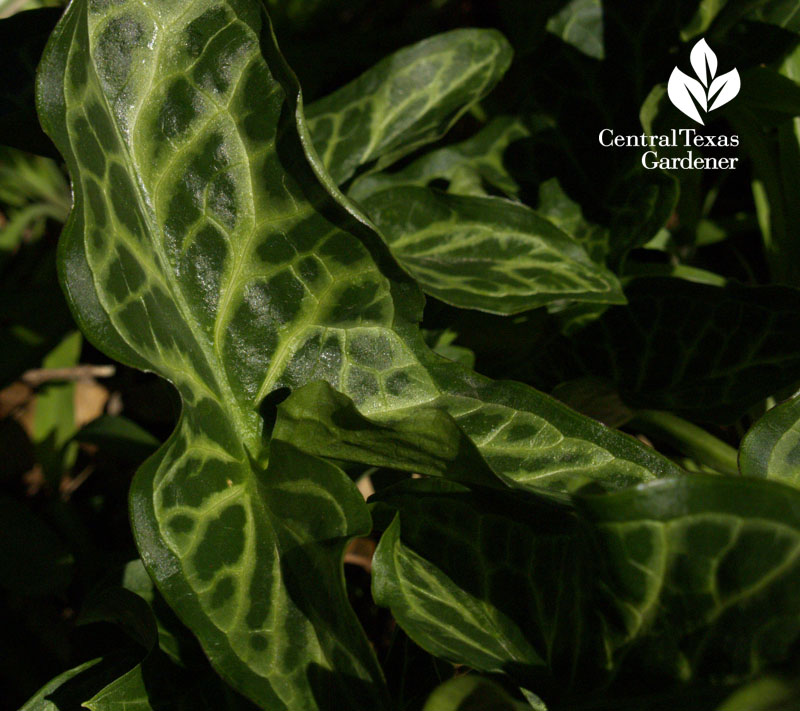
(703, 58)
(708, 91)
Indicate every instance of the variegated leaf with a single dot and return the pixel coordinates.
(771, 448)
(407, 100)
(682, 581)
(466, 166)
(203, 246)
(487, 253)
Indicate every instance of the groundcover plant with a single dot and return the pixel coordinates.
(440, 394)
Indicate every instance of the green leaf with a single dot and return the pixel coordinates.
(429, 438)
(225, 335)
(255, 560)
(10, 8)
(326, 423)
(466, 166)
(442, 341)
(580, 23)
(709, 353)
(32, 190)
(707, 10)
(770, 96)
(689, 439)
(775, 152)
(409, 99)
(118, 437)
(33, 559)
(677, 271)
(487, 253)
(158, 684)
(681, 581)
(472, 693)
(770, 693)
(69, 690)
(783, 13)
(174, 639)
(567, 215)
(700, 574)
(54, 416)
(771, 449)
(484, 579)
(124, 608)
(640, 206)
(207, 246)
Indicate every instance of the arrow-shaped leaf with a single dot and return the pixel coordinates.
(203, 246)
(487, 253)
(407, 100)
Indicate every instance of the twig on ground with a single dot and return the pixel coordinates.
(40, 376)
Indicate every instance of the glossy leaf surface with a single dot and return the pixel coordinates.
(407, 100)
(428, 441)
(771, 448)
(468, 167)
(226, 335)
(486, 253)
(203, 247)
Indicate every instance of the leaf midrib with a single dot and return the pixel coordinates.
(229, 402)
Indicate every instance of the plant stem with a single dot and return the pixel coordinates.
(689, 439)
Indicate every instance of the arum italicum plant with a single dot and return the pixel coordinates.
(270, 260)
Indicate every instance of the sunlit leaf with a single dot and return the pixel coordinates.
(487, 253)
(468, 167)
(207, 245)
(428, 441)
(407, 100)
